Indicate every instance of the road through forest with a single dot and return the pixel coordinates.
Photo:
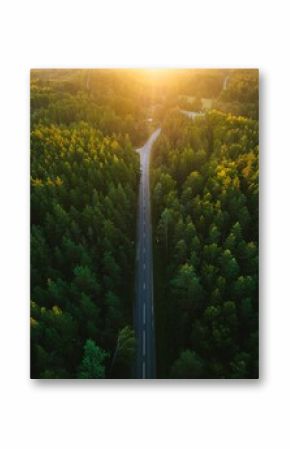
(144, 306)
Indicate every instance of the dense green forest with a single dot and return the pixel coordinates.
(85, 125)
(241, 97)
(84, 183)
(112, 101)
(205, 217)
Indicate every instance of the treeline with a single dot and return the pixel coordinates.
(112, 101)
(205, 219)
(185, 88)
(205, 83)
(241, 96)
(84, 184)
(193, 82)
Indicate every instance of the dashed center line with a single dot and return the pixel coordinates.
(144, 286)
(144, 343)
(144, 314)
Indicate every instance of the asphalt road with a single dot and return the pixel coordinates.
(192, 114)
(144, 306)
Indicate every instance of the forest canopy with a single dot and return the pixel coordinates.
(85, 173)
(205, 218)
(84, 183)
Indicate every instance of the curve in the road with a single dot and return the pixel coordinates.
(192, 114)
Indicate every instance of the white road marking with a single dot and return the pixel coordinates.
(144, 266)
(143, 370)
(144, 286)
(144, 342)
